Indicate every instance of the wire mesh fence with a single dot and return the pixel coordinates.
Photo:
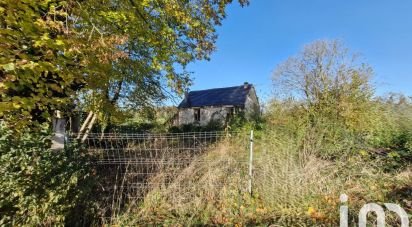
(130, 165)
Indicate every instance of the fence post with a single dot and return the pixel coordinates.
(250, 163)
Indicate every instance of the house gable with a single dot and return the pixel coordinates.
(217, 105)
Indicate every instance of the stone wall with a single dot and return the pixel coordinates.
(186, 116)
(252, 106)
(207, 115)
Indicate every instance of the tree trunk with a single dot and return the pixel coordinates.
(84, 125)
(89, 127)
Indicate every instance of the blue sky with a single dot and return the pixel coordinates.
(254, 39)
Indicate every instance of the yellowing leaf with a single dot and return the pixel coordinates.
(16, 105)
(37, 43)
(59, 42)
(8, 67)
(45, 36)
(311, 210)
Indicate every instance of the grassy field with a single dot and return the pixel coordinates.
(299, 173)
(302, 164)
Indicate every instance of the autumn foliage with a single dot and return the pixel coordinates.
(56, 54)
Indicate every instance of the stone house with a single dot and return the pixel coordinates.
(217, 105)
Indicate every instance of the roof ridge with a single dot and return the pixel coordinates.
(234, 95)
(211, 89)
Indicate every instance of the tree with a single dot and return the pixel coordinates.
(38, 69)
(115, 53)
(330, 81)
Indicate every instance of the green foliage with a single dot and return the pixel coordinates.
(332, 100)
(132, 53)
(393, 134)
(39, 68)
(140, 49)
(160, 117)
(211, 126)
(330, 82)
(235, 123)
(39, 186)
(387, 139)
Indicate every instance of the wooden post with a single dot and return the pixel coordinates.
(250, 163)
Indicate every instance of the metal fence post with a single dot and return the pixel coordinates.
(250, 162)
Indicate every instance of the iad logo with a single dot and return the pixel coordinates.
(372, 207)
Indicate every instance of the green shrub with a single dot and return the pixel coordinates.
(211, 126)
(39, 186)
(391, 138)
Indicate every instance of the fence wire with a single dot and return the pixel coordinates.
(130, 165)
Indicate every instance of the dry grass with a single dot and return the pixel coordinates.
(289, 188)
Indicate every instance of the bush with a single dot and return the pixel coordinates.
(211, 126)
(39, 186)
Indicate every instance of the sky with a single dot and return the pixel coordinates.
(253, 40)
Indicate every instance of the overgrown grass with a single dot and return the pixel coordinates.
(301, 167)
(300, 170)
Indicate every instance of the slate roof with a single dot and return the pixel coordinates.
(235, 96)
